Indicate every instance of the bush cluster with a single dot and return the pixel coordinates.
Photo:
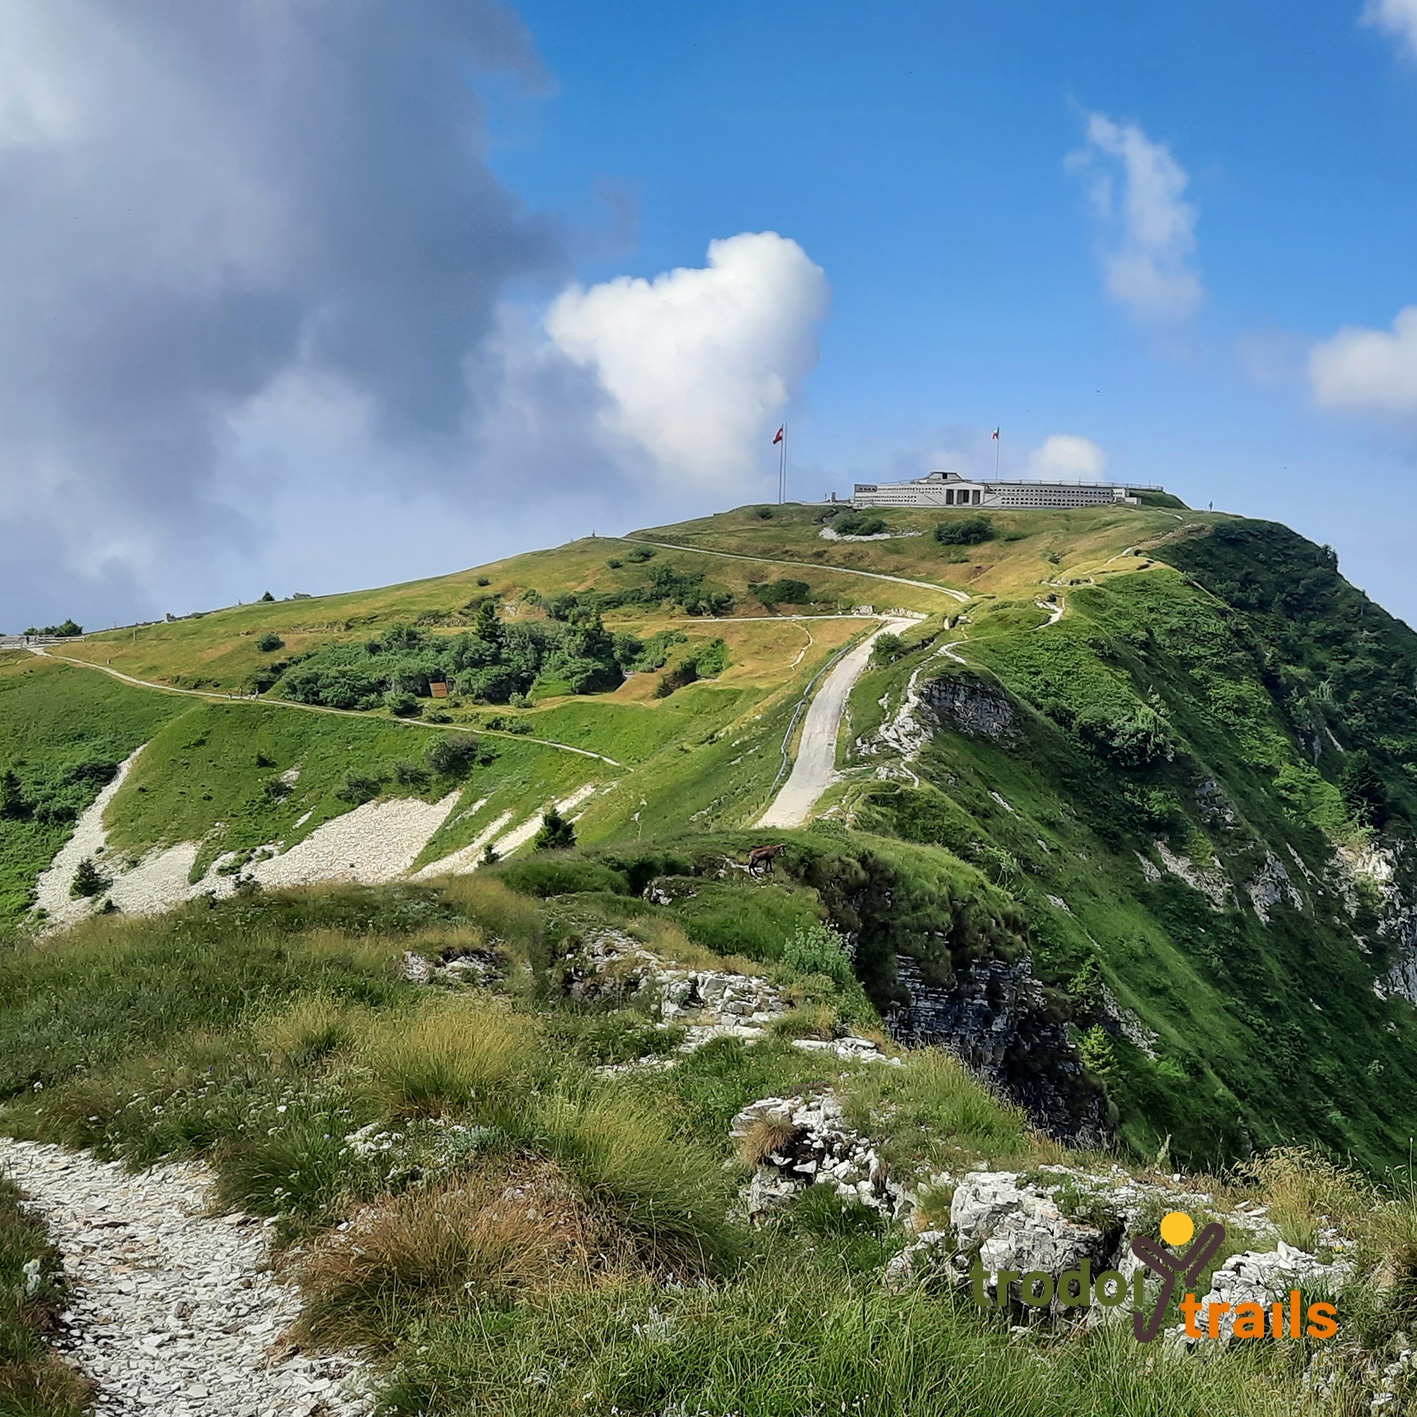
(706, 663)
(54, 793)
(65, 630)
(783, 592)
(859, 524)
(490, 663)
(967, 531)
(666, 583)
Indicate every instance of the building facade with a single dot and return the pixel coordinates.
(952, 489)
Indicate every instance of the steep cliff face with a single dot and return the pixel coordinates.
(996, 1016)
(1198, 786)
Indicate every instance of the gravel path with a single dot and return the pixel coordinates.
(959, 595)
(815, 767)
(174, 1313)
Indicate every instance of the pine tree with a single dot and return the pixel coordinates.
(556, 834)
(89, 880)
(14, 806)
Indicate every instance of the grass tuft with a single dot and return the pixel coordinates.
(450, 1053)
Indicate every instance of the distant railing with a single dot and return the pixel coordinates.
(23, 641)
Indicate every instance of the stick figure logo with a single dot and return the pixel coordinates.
(1184, 1268)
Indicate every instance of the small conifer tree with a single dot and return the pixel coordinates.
(89, 881)
(556, 834)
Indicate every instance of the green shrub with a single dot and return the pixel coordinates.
(639, 554)
(820, 949)
(359, 788)
(456, 754)
(556, 834)
(968, 531)
(782, 592)
(859, 524)
(546, 877)
(88, 880)
(484, 580)
(886, 647)
(270, 642)
(403, 705)
(712, 659)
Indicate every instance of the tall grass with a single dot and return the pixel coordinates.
(786, 1340)
(933, 1109)
(33, 1381)
(451, 1052)
(633, 1163)
(483, 1240)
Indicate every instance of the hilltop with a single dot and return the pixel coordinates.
(1121, 817)
(1172, 746)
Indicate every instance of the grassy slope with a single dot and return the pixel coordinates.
(1265, 1032)
(51, 718)
(1232, 1001)
(218, 650)
(260, 1032)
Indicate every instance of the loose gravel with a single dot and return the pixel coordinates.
(175, 1312)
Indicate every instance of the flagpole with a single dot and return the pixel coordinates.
(998, 444)
(782, 469)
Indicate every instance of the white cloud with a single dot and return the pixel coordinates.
(1150, 242)
(697, 362)
(1397, 17)
(1064, 456)
(257, 326)
(1373, 371)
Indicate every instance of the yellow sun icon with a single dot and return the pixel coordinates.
(1177, 1227)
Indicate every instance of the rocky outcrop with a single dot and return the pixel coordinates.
(1210, 881)
(996, 1017)
(1263, 1276)
(1380, 872)
(1058, 1219)
(710, 1003)
(1270, 886)
(971, 706)
(707, 1003)
(806, 1142)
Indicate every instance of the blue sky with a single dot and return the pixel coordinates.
(304, 296)
(918, 153)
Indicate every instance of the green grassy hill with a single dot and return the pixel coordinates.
(1123, 820)
(1198, 812)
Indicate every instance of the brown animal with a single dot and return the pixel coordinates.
(761, 857)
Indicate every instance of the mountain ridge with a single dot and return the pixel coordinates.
(1177, 744)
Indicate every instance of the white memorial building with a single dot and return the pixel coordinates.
(952, 489)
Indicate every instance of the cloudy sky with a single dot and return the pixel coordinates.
(306, 295)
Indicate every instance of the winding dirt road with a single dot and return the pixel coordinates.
(815, 767)
(217, 697)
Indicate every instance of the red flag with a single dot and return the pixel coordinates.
(995, 436)
(780, 432)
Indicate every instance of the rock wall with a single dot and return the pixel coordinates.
(995, 1016)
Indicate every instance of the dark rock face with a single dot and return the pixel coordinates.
(994, 1016)
(971, 706)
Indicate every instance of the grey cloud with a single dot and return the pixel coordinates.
(200, 199)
